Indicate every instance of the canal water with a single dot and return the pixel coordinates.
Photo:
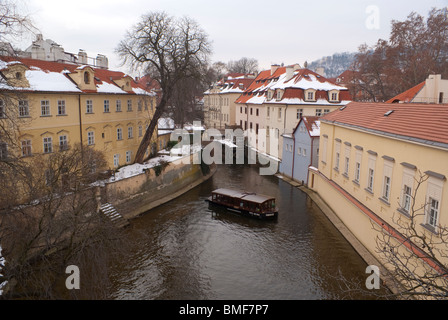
(190, 251)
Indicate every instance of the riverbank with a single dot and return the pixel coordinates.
(144, 189)
(369, 258)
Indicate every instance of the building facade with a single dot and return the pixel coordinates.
(433, 90)
(278, 98)
(62, 104)
(301, 149)
(381, 163)
(219, 100)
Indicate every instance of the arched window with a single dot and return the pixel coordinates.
(86, 77)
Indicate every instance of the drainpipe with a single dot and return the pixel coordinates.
(80, 126)
(311, 160)
(293, 155)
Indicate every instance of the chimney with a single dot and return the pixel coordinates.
(102, 62)
(320, 71)
(82, 57)
(289, 73)
(274, 68)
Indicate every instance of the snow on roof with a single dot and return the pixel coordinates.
(52, 76)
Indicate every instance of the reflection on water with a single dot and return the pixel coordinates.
(188, 250)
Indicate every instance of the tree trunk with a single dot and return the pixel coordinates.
(146, 141)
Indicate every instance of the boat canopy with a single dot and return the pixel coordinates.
(248, 196)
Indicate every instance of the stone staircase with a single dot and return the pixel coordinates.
(110, 212)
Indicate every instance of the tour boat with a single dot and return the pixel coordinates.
(245, 203)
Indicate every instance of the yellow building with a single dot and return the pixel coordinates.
(371, 161)
(61, 104)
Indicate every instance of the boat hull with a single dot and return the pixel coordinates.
(257, 215)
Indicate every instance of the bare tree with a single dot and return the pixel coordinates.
(416, 257)
(170, 50)
(415, 49)
(13, 21)
(53, 222)
(243, 65)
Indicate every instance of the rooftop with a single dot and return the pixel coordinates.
(422, 123)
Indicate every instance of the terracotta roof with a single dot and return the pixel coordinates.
(293, 87)
(424, 123)
(408, 95)
(101, 76)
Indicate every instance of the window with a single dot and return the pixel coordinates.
(118, 106)
(370, 179)
(268, 112)
(130, 132)
(357, 171)
(326, 111)
(48, 145)
(334, 95)
(140, 131)
(89, 106)
(433, 212)
(387, 176)
(116, 160)
(386, 188)
(279, 94)
(24, 110)
(90, 138)
(279, 113)
(371, 170)
(63, 143)
(337, 155)
(257, 112)
(119, 134)
(347, 165)
(434, 195)
(407, 199)
(310, 95)
(299, 113)
(86, 77)
(128, 156)
(61, 108)
(139, 105)
(129, 105)
(304, 152)
(318, 112)
(26, 148)
(45, 108)
(106, 106)
(299, 151)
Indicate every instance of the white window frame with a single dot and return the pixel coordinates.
(433, 194)
(48, 144)
(119, 134)
(90, 138)
(63, 142)
(387, 179)
(89, 106)
(24, 108)
(371, 173)
(116, 160)
(45, 108)
(61, 108)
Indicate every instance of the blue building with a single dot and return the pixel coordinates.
(301, 149)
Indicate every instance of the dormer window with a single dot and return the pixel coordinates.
(279, 94)
(310, 95)
(333, 95)
(86, 77)
(18, 75)
(270, 94)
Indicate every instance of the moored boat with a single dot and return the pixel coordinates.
(245, 203)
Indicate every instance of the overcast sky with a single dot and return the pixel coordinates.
(280, 31)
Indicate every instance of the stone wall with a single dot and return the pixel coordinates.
(137, 194)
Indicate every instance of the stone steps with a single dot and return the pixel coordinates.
(115, 217)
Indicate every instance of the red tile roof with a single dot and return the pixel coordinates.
(101, 75)
(408, 95)
(425, 123)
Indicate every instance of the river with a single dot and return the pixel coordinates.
(187, 250)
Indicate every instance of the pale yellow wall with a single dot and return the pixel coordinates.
(36, 127)
(422, 156)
